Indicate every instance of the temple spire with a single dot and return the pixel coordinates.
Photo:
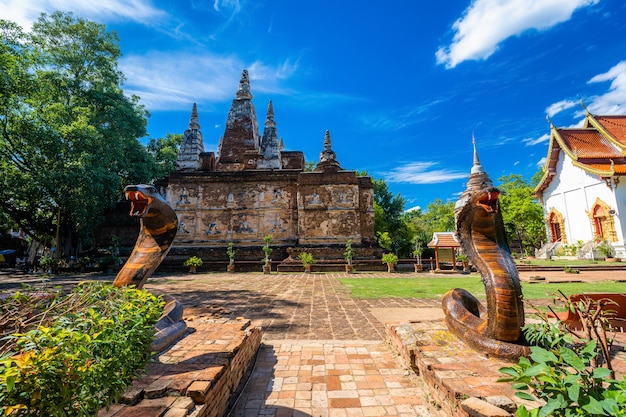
(243, 93)
(270, 156)
(193, 120)
(188, 158)
(269, 119)
(476, 167)
(328, 159)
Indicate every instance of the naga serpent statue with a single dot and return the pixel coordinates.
(496, 330)
(156, 234)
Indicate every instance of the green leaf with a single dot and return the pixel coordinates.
(525, 396)
(573, 391)
(541, 355)
(601, 373)
(572, 359)
(548, 409)
(610, 406)
(594, 407)
(509, 370)
(536, 369)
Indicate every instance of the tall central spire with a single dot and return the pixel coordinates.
(476, 167)
(240, 145)
(243, 93)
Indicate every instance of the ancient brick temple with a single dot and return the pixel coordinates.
(252, 188)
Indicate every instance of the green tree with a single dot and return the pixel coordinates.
(388, 217)
(438, 217)
(521, 212)
(164, 151)
(68, 134)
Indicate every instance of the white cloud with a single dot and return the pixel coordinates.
(24, 13)
(559, 107)
(536, 141)
(613, 101)
(487, 23)
(415, 208)
(542, 161)
(164, 82)
(421, 173)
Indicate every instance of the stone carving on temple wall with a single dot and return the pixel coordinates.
(245, 226)
(278, 194)
(313, 200)
(277, 225)
(182, 227)
(213, 229)
(183, 197)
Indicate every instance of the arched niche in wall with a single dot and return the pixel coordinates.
(557, 226)
(603, 221)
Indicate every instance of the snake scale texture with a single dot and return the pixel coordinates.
(159, 224)
(496, 330)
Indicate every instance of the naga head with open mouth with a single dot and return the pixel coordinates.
(141, 198)
(488, 199)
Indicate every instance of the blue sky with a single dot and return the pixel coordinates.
(400, 85)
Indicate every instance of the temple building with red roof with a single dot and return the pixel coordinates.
(580, 190)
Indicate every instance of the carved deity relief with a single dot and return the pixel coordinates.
(245, 227)
(230, 200)
(212, 229)
(313, 200)
(277, 225)
(182, 226)
(278, 195)
(183, 197)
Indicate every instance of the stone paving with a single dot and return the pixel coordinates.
(323, 352)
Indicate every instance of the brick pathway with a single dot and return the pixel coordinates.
(323, 352)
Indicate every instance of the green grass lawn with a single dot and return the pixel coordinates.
(561, 262)
(429, 287)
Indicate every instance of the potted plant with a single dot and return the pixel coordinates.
(193, 262)
(231, 251)
(267, 265)
(606, 249)
(390, 259)
(82, 263)
(347, 255)
(417, 253)
(461, 257)
(307, 261)
(49, 264)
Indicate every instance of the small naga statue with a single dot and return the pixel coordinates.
(156, 235)
(496, 330)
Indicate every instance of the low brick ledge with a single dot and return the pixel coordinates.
(462, 381)
(459, 380)
(197, 376)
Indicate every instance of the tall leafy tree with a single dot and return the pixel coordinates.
(521, 212)
(68, 134)
(164, 151)
(389, 217)
(438, 217)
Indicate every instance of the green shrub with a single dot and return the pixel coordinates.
(564, 369)
(390, 258)
(306, 258)
(193, 261)
(564, 379)
(83, 360)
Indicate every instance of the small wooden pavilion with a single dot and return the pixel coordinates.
(444, 240)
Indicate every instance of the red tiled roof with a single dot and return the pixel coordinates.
(615, 125)
(596, 150)
(444, 240)
(588, 143)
